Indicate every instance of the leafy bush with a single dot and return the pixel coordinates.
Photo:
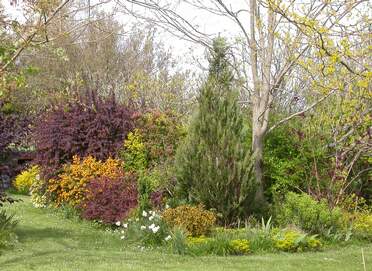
(195, 220)
(149, 151)
(93, 126)
(135, 155)
(362, 225)
(109, 199)
(13, 126)
(308, 214)
(240, 246)
(24, 181)
(70, 186)
(160, 133)
(294, 241)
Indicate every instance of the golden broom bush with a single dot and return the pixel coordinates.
(70, 186)
(25, 179)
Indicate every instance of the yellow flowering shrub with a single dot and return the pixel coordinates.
(363, 225)
(70, 186)
(240, 246)
(25, 179)
(295, 241)
(195, 220)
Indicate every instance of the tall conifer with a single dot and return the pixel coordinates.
(214, 165)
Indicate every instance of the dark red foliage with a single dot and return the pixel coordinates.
(156, 199)
(94, 127)
(110, 200)
(13, 128)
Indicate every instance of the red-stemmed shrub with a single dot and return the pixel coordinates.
(110, 199)
(90, 126)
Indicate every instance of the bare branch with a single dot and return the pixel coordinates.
(301, 112)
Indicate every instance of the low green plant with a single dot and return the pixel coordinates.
(295, 241)
(240, 246)
(7, 224)
(178, 241)
(308, 214)
(25, 179)
(149, 229)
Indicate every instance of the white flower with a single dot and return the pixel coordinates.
(168, 238)
(125, 225)
(152, 226)
(144, 213)
(122, 232)
(137, 219)
(151, 218)
(155, 229)
(122, 238)
(118, 223)
(143, 227)
(166, 206)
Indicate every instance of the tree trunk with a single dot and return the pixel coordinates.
(257, 148)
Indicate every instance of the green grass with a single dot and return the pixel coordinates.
(47, 241)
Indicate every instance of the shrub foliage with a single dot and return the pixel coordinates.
(214, 166)
(110, 199)
(94, 127)
(195, 220)
(70, 186)
(24, 181)
(308, 214)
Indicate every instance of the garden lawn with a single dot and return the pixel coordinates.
(48, 241)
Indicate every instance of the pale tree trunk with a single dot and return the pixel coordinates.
(262, 91)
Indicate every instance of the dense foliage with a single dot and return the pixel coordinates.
(25, 179)
(308, 214)
(92, 126)
(70, 185)
(194, 220)
(109, 199)
(214, 166)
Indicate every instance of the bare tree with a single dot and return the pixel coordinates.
(276, 38)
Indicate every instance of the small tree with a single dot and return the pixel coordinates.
(213, 166)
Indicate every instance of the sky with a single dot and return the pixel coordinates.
(187, 53)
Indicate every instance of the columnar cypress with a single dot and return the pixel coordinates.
(214, 165)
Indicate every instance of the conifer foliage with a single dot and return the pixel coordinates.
(214, 165)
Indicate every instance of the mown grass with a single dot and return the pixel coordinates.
(47, 241)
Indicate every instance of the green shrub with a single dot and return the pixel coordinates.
(25, 179)
(134, 154)
(362, 225)
(195, 220)
(295, 241)
(308, 214)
